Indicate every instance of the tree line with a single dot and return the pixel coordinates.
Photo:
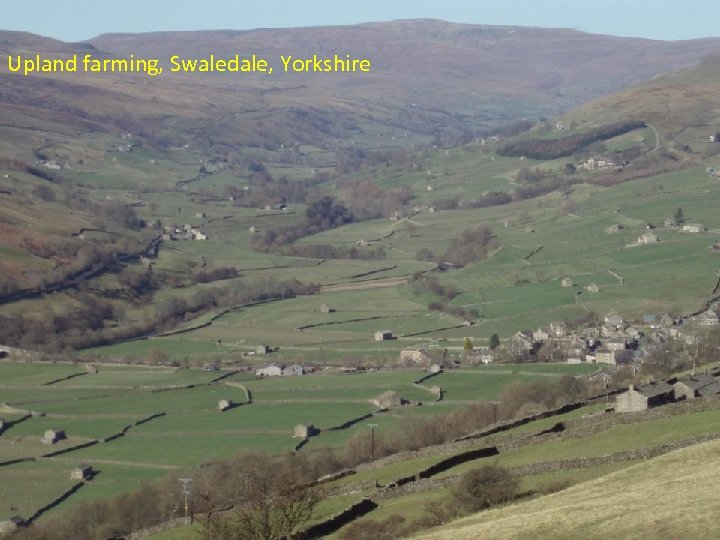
(566, 146)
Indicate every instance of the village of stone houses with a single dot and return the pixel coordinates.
(450, 305)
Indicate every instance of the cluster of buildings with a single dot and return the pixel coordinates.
(654, 394)
(596, 163)
(614, 341)
(186, 232)
(275, 370)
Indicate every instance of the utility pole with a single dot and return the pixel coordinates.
(372, 441)
(186, 493)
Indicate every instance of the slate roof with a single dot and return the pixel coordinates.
(654, 389)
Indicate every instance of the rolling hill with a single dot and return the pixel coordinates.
(428, 77)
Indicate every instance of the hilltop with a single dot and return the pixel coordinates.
(429, 77)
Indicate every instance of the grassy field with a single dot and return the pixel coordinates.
(510, 291)
(95, 406)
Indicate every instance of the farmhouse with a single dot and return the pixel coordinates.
(82, 472)
(646, 396)
(326, 308)
(305, 431)
(294, 371)
(521, 345)
(557, 329)
(648, 238)
(387, 400)
(383, 335)
(696, 386)
(693, 228)
(707, 318)
(616, 342)
(272, 370)
(614, 320)
(574, 350)
(615, 357)
(541, 334)
(52, 436)
(415, 357)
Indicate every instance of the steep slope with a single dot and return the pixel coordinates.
(671, 496)
(683, 105)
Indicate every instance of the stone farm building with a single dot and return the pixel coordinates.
(693, 227)
(648, 238)
(326, 308)
(305, 431)
(696, 386)
(52, 436)
(388, 399)
(224, 405)
(273, 370)
(644, 397)
(383, 335)
(11, 524)
(294, 371)
(566, 282)
(707, 318)
(82, 472)
(416, 357)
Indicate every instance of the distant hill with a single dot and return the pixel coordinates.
(683, 105)
(428, 77)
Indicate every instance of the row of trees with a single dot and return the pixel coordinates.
(84, 324)
(320, 215)
(565, 146)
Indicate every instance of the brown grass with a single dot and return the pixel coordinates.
(672, 496)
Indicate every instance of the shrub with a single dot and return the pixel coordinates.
(485, 487)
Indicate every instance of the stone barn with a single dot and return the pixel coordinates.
(82, 472)
(305, 431)
(415, 357)
(52, 436)
(2, 425)
(388, 399)
(326, 308)
(567, 282)
(91, 368)
(644, 397)
(224, 405)
(383, 335)
(696, 386)
(273, 370)
(11, 525)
